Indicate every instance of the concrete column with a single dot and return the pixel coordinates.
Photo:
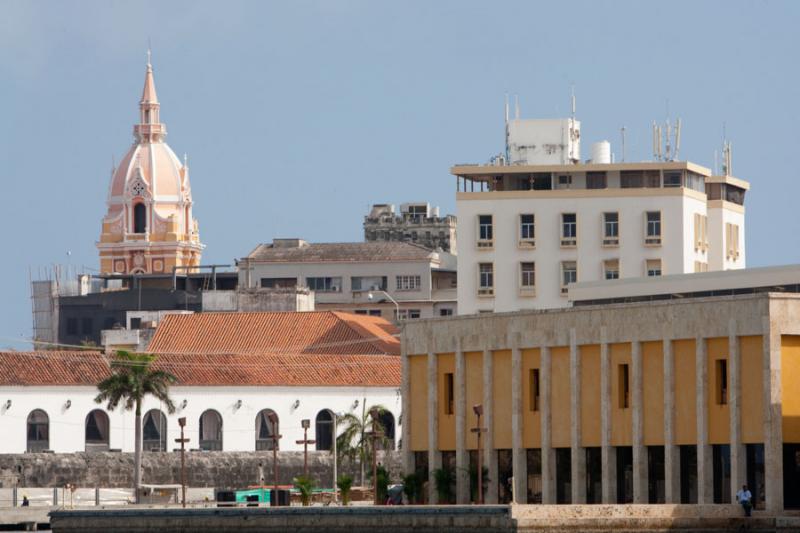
(705, 472)
(608, 456)
(773, 417)
(408, 453)
(489, 452)
(434, 455)
(548, 454)
(518, 453)
(672, 463)
(462, 456)
(578, 455)
(637, 426)
(738, 463)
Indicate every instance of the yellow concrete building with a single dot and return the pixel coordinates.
(149, 227)
(663, 401)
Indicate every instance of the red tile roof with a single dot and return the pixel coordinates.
(58, 368)
(316, 332)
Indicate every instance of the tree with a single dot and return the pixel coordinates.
(305, 486)
(132, 379)
(355, 439)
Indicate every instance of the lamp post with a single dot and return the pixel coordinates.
(183, 441)
(273, 420)
(306, 423)
(478, 410)
(371, 296)
(375, 413)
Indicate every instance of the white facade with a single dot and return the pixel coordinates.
(690, 237)
(544, 141)
(67, 425)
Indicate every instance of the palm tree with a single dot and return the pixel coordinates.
(132, 378)
(355, 438)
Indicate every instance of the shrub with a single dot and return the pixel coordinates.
(305, 485)
(345, 483)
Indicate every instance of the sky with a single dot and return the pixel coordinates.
(297, 116)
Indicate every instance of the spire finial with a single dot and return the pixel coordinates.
(149, 57)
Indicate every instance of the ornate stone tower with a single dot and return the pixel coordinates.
(149, 226)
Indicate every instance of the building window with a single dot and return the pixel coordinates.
(673, 178)
(527, 275)
(569, 229)
(324, 430)
(448, 393)
(139, 218)
(565, 181)
(535, 388)
(211, 431)
(325, 284)
(624, 386)
(409, 283)
(406, 314)
(653, 267)
(527, 230)
(485, 231)
(610, 229)
(700, 232)
(278, 283)
(485, 278)
(369, 283)
(72, 326)
(38, 431)
(446, 312)
(731, 241)
(154, 431)
(86, 325)
(653, 227)
(611, 269)
(596, 180)
(267, 426)
(96, 431)
(569, 274)
(721, 375)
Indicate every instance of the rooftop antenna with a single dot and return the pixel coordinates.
(622, 130)
(668, 150)
(516, 106)
(677, 139)
(572, 98)
(506, 115)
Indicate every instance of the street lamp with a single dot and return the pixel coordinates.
(375, 414)
(371, 296)
(478, 410)
(306, 423)
(273, 420)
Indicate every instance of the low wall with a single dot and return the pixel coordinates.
(203, 469)
(404, 519)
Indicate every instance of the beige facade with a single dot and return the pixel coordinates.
(662, 402)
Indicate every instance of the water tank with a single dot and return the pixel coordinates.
(601, 152)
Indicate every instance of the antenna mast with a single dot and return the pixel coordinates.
(623, 143)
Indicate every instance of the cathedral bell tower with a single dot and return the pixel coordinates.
(149, 227)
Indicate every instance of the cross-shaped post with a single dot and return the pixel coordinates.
(306, 423)
(478, 410)
(183, 441)
(273, 419)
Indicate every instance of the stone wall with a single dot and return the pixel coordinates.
(204, 469)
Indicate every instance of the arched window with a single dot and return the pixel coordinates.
(97, 431)
(139, 218)
(324, 430)
(265, 431)
(386, 419)
(210, 430)
(38, 431)
(154, 431)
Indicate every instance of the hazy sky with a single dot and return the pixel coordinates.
(298, 115)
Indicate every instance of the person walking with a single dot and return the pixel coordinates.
(745, 499)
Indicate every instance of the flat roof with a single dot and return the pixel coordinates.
(491, 170)
(784, 278)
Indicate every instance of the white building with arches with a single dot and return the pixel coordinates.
(281, 363)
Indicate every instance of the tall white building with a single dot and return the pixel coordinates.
(528, 229)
